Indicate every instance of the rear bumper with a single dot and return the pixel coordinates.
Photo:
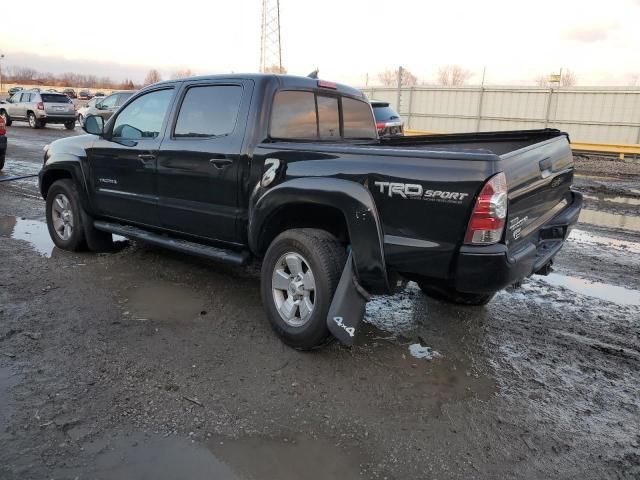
(492, 268)
(58, 118)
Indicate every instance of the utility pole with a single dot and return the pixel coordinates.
(399, 88)
(270, 49)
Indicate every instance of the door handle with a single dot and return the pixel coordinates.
(220, 163)
(146, 157)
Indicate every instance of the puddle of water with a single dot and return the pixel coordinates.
(32, 231)
(420, 351)
(580, 236)
(139, 456)
(296, 458)
(143, 456)
(614, 199)
(603, 291)
(610, 220)
(165, 302)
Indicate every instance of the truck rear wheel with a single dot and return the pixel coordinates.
(450, 295)
(300, 273)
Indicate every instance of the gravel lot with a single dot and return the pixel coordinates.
(149, 364)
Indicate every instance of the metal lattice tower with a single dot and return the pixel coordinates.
(270, 53)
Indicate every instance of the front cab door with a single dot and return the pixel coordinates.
(123, 161)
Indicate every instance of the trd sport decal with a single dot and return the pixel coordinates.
(417, 192)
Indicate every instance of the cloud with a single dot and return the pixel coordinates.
(590, 34)
(58, 64)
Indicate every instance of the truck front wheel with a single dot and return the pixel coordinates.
(63, 216)
(450, 295)
(300, 273)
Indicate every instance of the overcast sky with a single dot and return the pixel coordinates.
(516, 41)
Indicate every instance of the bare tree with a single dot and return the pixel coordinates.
(152, 77)
(389, 78)
(184, 73)
(542, 81)
(453, 75)
(568, 78)
(275, 69)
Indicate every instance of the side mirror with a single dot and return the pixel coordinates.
(94, 125)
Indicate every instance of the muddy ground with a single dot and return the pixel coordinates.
(149, 364)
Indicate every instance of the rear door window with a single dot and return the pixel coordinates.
(358, 119)
(26, 97)
(328, 118)
(54, 98)
(208, 111)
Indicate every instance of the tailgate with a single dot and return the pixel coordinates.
(539, 178)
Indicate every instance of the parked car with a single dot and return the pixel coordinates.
(99, 94)
(388, 122)
(70, 92)
(3, 142)
(291, 170)
(14, 90)
(39, 109)
(103, 106)
(85, 95)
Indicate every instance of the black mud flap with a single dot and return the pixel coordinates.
(347, 308)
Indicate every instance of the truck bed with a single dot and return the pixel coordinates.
(498, 143)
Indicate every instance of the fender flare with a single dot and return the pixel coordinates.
(359, 210)
(71, 166)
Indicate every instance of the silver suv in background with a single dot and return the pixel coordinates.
(103, 107)
(39, 108)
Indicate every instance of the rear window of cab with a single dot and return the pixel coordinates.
(306, 115)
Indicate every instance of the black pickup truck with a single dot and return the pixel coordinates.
(290, 170)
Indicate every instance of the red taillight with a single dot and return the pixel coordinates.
(325, 84)
(3, 131)
(489, 213)
(40, 106)
(380, 126)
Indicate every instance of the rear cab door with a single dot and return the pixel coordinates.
(200, 161)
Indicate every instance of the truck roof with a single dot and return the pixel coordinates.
(286, 81)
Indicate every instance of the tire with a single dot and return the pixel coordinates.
(450, 295)
(310, 296)
(6, 117)
(64, 219)
(70, 125)
(33, 121)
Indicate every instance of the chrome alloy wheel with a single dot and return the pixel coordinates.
(62, 216)
(294, 289)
